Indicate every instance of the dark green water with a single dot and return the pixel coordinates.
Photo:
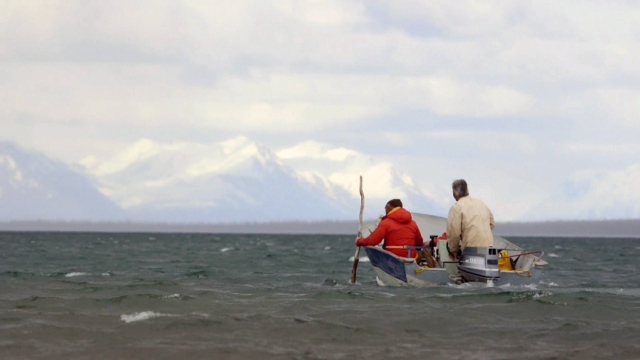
(167, 296)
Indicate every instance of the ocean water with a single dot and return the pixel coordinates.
(195, 296)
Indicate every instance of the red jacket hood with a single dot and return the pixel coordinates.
(401, 216)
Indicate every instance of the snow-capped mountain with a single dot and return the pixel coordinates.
(339, 168)
(235, 180)
(232, 181)
(240, 180)
(35, 187)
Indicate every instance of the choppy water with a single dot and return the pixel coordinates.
(102, 296)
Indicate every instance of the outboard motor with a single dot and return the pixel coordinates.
(479, 264)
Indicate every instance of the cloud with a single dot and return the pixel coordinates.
(284, 65)
(603, 150)
(622, 105)
(496, 142)
(315, 150)
(156, 95)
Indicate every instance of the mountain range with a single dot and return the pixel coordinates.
(36, 187)
(238, 180)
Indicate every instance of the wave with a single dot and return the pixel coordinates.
(77, 273)
(331, 282)
(141, 316)
(362, 259)
(121, 298)
(73, 274)
(529, 295)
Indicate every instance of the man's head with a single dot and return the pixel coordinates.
(392, 204)
(460, 189)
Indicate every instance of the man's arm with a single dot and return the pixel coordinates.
(376, 236)
(454, 229)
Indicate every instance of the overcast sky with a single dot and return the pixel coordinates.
(535, 103)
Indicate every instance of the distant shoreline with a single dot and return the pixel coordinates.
(592, 228)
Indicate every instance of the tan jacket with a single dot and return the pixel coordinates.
(470, 222)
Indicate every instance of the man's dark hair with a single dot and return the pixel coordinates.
(460, 188)
(394, 203)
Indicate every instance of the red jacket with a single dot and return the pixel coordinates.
(398, 229)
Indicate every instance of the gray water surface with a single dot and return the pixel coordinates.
(167, 296)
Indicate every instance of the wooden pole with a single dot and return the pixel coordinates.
(356, 257)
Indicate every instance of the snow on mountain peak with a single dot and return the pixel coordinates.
(181, 173)
(343, 167)
(185, 158)
(338, 167)
(142, 149)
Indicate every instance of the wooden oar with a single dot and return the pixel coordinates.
(356, 257)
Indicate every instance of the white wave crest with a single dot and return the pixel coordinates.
(554, 255)
(362, 259)
(542, 294)
(145, 315)
(327, 247)
(172, 296)
(225, 249)
(72, 274)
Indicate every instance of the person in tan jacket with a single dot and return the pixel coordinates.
(470, 221)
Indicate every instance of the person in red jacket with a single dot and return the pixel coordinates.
(397, 228)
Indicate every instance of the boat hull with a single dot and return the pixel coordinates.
(392, 270)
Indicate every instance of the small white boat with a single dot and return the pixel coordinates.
(476, 265)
